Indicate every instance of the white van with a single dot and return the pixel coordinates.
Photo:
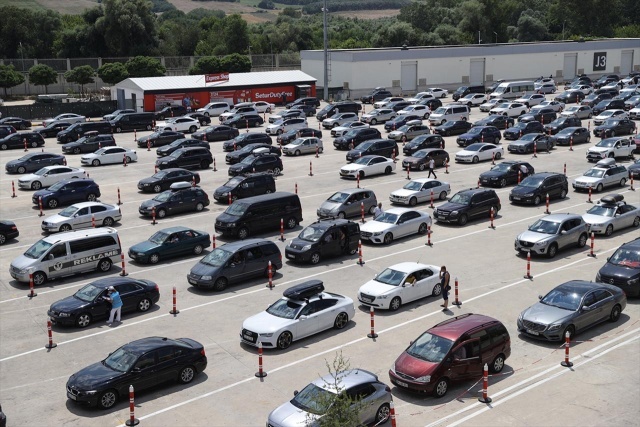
(215, 108)
(513, 90)
(447, 113)
(68, 253)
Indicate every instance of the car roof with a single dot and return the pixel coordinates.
(545, 174)
(176, 229)
(234, 246)
(144, 345)
(88, 204)
(400, 211)
(330, 222)
(408, 267)
(110, 281)
(476, 190)
(423, 180)
(454, 328)
(352, 190)
(347, 379)
(582, 286)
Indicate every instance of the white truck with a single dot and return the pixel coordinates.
(611, 148)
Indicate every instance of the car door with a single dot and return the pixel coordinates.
(610, 177)
(466, 361)
(588, 313)
(130, 293)
(330, 243)
(406, 224)
(143, 375)
(82, 218)
(176, 203)
(99, 212)
(58, 261)
(363, 396)
(169, 365)
(569, 231)
(69, 193)
(255, 264)
(478, 205)
(307, 322)
(625, 216)
(186, 242)
(378, 165)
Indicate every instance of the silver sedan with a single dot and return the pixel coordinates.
(83, 215)
(612, 213)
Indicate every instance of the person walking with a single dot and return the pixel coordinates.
(432, 165)
(444, 282)
(378, 211)
(116, 305)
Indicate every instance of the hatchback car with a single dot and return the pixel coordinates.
(82, 215)
(552, 233)
(570, 308)
(254, 148)
(496, 120)
(420, 190)
(543, 115)
(8, 231)
(348, 203)
(307, 145)
(393, 224)
(579, 111)
(534, 188)
(67, 192)
(505, 173)
(560, 123)
(454, 350)
(573, 135)
(468, 204)
(422, 142)
(409, 131)
(622, 269)
(17, 140)
(162, 180)
(380, 147)
(89, 303)
(170, 243)
(341, 130)
(613, 127)
(570, 97)
(32, 162)
(143, 363)
(240, 187)
(526, 144)
(351, 139)
(606, 173)
(400, 121)
(188, 157)
(339, 119)
(610, 214)
(180, 198)
(510, 109)
(326, 238)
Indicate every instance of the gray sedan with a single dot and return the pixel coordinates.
(307, 145)
(572, 307)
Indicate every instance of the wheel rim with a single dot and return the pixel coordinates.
(53, 203)
(243, 233)
(162, 213)
(108, 399)
(108, 222)
(341, 320)
(95, 163)
(582, 241)
(38, 279)
(157, 188)
(599, 188)
(553, 250)
(476, 159)
(65, 227)
(144, 305)
(395, 304)
(198, 250)
(21, 169)
(383, 413)
(441, 388)
(3, 239)
(503, 182)
(536, 200)
(615, 313)
(388, 238)
(154, 258)
(315, 258)
(291, 223)
(636, 221)
(105, 266)
(437, 289)
(609, 230)
(83, 320)
(284, 340)
(186, 375)
(199, 207)
(341, 215)
(413, 201)
(220, 284)
(422, 229)
(498, 364)
(36, 185)
(463, 219)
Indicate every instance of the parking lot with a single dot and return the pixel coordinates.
(533, 389)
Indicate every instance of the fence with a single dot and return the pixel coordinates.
(40, 111)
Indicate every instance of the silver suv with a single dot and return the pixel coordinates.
(551, 233)
(604, 174)
(346, 203)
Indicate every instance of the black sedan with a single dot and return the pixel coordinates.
(204, 120)
(505, 173)
(8, 231)
(181, 143)
(244, 121)
(16, 122)
(216, 133)
(162, 180)
(399, 121)
(158, 139)
(32, 162)
(89, 304)
(613, 127)
(480, 134)
(143, 363)
(634, 169)
(257, 163)
(17, 140)
(496, 120)
(544, 115)
(181, 198)
(523, 128)
(170, 243)
(573, 135)
(52, 129)
(239, 155)
(292, 134)
(421, 142)
(525, 144)
(570, 97)
(454, 127)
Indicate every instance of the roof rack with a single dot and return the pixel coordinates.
(612, 199)
(304, 290)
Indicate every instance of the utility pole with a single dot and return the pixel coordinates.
(326, 51)
(26, 87)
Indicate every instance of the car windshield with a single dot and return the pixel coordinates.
(626, 258)
(351, 132)
(403, 128)
(365, 146)
(387, 218)
(363, 161)
(460, 198)
(474, 131)
(88, 293)
(159, 175)
(313, 399)
(284, 308)
(42, 171)
(611, 122)
(120, 360)
(503, 105)
(153, 135)
(429, 347)
(216, 258)
(606, 113)
(158, 237)
(440, 110)
(531, 182)
(421, 154)
(564, 132)
(390, 277)
(601, 210)
(502, 167)
(68, 212)
(519, 125)
(38, 249)
(529, 137)
(100, 151)
(413, 185)
(297, 141)
(545, 226)
(609, 142)
(311, 234)
(278, 122)
(236, 209)
(57, 186)
(562, 298)
(248, 161)
(594, 173)
(163, 197)
(234, 182)
(474, 147)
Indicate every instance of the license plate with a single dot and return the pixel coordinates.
(402, 384)
(530, 332)
(193, 282)
(290, 256)
(71, 396)
(516, 198)
(441, 217)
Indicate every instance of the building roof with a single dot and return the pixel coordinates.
(261, 78)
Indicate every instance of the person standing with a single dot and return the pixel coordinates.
(378, 211)
(432, 165)
(116, 305)
(444, 282)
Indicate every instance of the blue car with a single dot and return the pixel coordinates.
(67, 192)
(170, 243)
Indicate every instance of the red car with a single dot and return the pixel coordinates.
(636, 140)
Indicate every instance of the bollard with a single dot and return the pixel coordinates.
(40, 206)
(235, 147)
(493, 158)
(153, 215)
(567, 343)
(25, 145)
(132, 421)
(589, 125)
(119, 201)
(261, 373)
(174, 310)
(565, 169)
(404, 140)
(155, 168)
(528, 275)
(491, 219)
(372, 334)
(215, 169)
(446, 166)
(93, 221)
(478, 184)
(135, 136)
(31, 293)
(571, 144)
(631, 182)
(589, 200)
(593, 239)
(519, 176)
(431, 204)
(358, 181)
(64, 161)
(13, 190)
(457, 301)
(547, 203)
(148, 145)
(310, 168)
(360, 260)
(316, 151)
(270, 276)
(193, 181)
(485, 386)
(124, 160)
(392, 414)
(408, 168)
(123, 273)
(296, 188)
(213, 240)
(230, 198)
(282, 239)
(362, 211)
(50, 344)
(393, 156)
(535, 150)
(428, 236)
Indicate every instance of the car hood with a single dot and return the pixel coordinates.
(289, 415)
(93, 376)
(414, 367)
(450, 207)
(599, 149)
(519, 190)
(513, 130)
(411, 159)
(290, 147)
(238, 167)
(619, 271)
(144, 246)
(588, 179)
(28, 177)
(14, 162)
(353, 167)
(518, 143)
(163, 159)
(545, 314)
(264, 323)
(534, 236)
(596, 219)
(223, 189)
(467, 136)
(327, 205)
(42, 193)
(22, 262)
(56, 219)
(375, 226)
(375, 288)
(396, 133)
(491, 174)
(204, 270)
(403, 192)
(466, 153)
(68, 304)
(148, 180)
(150, 203)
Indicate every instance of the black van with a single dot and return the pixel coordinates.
(323, 239)
(338, 107)
(77, 130)
(241, 187)
(257, 213)
(465, 90)
(132, 121)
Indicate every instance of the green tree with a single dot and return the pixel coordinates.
(235, 63)
(113, 72)
(206, 65)
(42, 75)
(129, 27)
(82, 75)
(9, 77)
(235, 35)
(145, 66)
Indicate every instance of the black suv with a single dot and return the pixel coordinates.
(89, 144)
(534, 188)
(605, 79)
(380, 147)
(468, 204)
(542, 115)
(162, 180)
(246, 139)
(523, 128)
(239, 155)
(32, 162)
(257, 163)
(293, 134)
(608, 104)
(622, 270)
(375, 96)
(216, 133)
(181, 143)
(308, 110)
(188, 157)
(560, 123)
(181, 197)
(240, 187)
(326, 238)
(465, 90)
(16, 140)
(489, 134)
(245, 120)
(502, 174)
(354, 137)
(422, 141)
(78, 130)
(309, 100)
(170, 111)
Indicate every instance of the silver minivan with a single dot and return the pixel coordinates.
(68, 253)
(447, 113)
(347, 203)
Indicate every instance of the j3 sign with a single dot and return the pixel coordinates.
(599, 61)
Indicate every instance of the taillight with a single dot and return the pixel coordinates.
(14, 227)
(202, 352)
(157, 288)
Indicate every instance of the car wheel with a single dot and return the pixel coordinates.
(589, 116)
(107, 399)
(148, 127)
(462, 220)
(572, 331)
(387, 170)
(83, 320)
(157, 188)
(498, 364)
(197, 249)
(537, 200)
(422, 230)
(199, 206)
(39, 278)
(118, 130)
(437, 289)
(34, 144)
(108, 222)
(388, 238)
(341, 320)
(154, 258)
(161, 213)
(599, 188)
(447, 133)
(475, 159)
(498, 156)
(284, 340)
(4, 147)
(315, 258)
(276, 171)
(552, 251)
(636, 221)
(503, 182)
(3, 239)
(422, 166)
(144, 304)
(96, 162)
(373, 122)
(186, 375)
(609, 231)
(623, 181)
(615, 313)
(220, 284)
(296, 153)
(443, 195)
(36, 185)
(413, 201)
(320, 150)
(204, 164)
(22, 169)
(361, 173)
(382, 414)
(76, 151)
(441, 388)
(104, 265)
(582, 241)
(291, 223)
(192, 129)
(563, 193)
(243, 233)
(52, 203)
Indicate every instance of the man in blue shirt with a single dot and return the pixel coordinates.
(116, 304)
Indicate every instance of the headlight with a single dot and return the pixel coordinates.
(206, 277)
(633, 281)
(598, 277)
(528, 195)
(377, 233)
(267, 335)
(424, 379)
(163, 163)
(225, 194)
(90, 392)
(454, 213)
(146, 185)
(494, 178)
(23, 271)
(554, 327)
(436, 211)
(306, 247)
(541, 243)
(231, 225)
(521, 316)
(382, 296)
(140, 253)
(64, 314)
(393, 367)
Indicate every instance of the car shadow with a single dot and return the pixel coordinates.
(235, 287)
(429, 302)
(169, 260)
(562, 253)
(324, 262)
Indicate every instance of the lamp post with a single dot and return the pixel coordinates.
(26, 88)
(496, 37)
(326, 51)
(563, 22)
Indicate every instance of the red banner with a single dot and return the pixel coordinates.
(216, 78)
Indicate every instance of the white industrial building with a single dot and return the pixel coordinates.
(412, 69)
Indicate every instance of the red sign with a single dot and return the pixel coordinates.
(216, 78)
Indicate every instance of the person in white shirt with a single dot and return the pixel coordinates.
(378, 211)
(432, 165)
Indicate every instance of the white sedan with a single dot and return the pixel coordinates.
(556, 106)
(341, 130)
(395, 223)
(301, 312)
(401, 284)
(66, 117)
(419, 191)
(417, 109)
(179, 124)
(264, 107)
(82, 215)
(509, 109)
(438, 92)
(109, 155)
(478, 152)
(368, 165)
(586, 89)
(49, 175)
(531, 99)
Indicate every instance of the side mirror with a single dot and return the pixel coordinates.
(295, 392)
(136, 369)
(540, 297)
(586, 308)
(563, 232)
(303, 317)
